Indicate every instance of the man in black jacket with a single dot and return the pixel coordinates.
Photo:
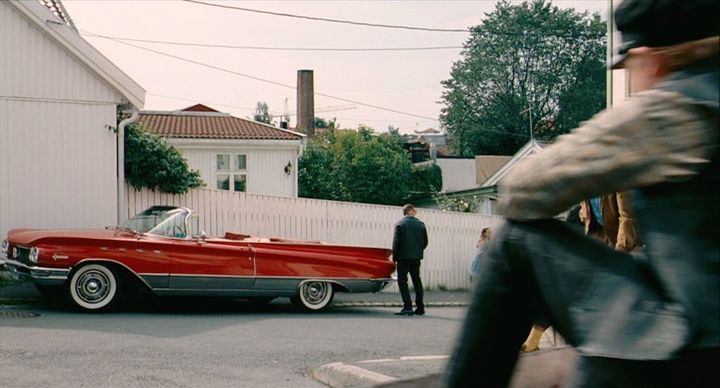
(409, 242)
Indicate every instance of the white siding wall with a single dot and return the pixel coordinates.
(34, 66)
(265, 167)
(57, 165)
(448, 256)
(57, 159)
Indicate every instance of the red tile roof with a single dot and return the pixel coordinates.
(209, 125)
(199, 108)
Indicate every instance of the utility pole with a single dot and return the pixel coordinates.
(529, 112)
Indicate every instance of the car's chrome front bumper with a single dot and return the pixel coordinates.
(40, 275)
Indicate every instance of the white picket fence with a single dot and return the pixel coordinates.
(452, 235)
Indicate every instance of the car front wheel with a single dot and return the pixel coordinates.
(93, 287)
(314, 296)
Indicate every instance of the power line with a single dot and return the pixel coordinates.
(339, 118)
(269, 81)
(292, 114)
(402, 27)
(203, 102)
(268, 48)
(329, 20)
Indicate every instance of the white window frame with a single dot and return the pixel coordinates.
(231, 172)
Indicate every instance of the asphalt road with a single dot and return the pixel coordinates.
(194, 343)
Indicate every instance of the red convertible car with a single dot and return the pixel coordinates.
(163, 250)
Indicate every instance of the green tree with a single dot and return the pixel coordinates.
(426, 181)
(356, 167)
(153, 163)
(526, 63)
(262, 113)
(321, 123)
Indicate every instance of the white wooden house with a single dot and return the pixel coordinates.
(231, 153)
(489, 170)
(59, 99)
(486, 195)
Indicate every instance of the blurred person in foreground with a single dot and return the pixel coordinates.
(636, 322)
(609, 219)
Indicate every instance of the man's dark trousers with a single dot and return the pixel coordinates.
(413, 268)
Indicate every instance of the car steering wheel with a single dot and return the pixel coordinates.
(178, 231)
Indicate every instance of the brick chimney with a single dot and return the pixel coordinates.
(305, 102)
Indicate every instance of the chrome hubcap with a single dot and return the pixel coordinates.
(315, 292)
(93, 286)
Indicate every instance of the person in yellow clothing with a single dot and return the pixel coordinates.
(609, 219)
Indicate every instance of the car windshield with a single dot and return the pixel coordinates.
(159, 220)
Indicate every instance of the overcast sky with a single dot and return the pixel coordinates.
(402, 81)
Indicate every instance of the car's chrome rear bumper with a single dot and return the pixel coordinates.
(40, 275)
(383, 283)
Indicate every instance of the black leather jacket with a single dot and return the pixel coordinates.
(410, 239)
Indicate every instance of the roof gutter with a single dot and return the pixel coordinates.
(122, 202)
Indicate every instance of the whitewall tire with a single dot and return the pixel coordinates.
(314, 295)
(93, 287)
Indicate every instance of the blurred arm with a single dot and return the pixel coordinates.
(654, 137)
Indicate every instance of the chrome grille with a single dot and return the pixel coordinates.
(20, 254)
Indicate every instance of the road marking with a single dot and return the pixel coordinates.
(406, 358)
(423, 358)
(338, 374)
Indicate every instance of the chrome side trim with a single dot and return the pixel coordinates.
(210, 276)
(348, 285)
(304, 278)
(317, 278)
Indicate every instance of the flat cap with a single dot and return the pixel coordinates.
(658, 23)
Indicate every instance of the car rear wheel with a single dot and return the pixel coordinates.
(314, 296)
(93, 287)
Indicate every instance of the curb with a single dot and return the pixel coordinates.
(18, 301)
(338, 375)
(25, 301)
(397, 304)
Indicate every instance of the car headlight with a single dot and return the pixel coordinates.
(4, 247)
(34, 254)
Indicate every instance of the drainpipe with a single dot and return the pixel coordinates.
(301, 150)
(121, 187)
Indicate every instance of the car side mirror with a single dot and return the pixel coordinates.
(202, 236)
